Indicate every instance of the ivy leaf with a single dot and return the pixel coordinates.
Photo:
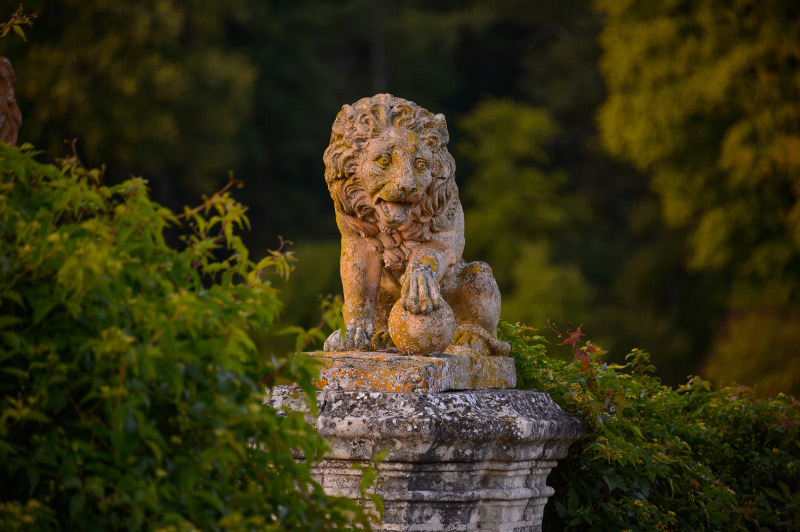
(613, 481)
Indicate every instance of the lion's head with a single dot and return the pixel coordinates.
(389, 172)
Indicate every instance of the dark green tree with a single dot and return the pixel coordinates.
(146, 87)
(704, 97)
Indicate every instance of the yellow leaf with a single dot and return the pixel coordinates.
(19, 32)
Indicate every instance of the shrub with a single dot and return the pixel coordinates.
(130, 390)
(658, 458)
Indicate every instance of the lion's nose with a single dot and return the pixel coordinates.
(407, 184)
(401, 191)
(407, 188)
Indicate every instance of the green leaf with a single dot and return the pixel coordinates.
(8, 321)
(613, 481)
(14, 296)
(73, 483)
(18, 31)
(34, 474)
(377, 500)
(210, 499)
(41, 308)
(76, 504)
(95, 486)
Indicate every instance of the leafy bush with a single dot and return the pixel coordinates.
(658, 458)
(130, 390)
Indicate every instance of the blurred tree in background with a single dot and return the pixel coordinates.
(705, 97)
(698, 107)
(143, 86)
(517, 207)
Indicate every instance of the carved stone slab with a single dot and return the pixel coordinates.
(456, 461)
(460, 369)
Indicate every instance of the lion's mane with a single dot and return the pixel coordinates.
(366, 119)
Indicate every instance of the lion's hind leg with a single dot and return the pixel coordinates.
(479, 341)
(475, 299)
(474, 296)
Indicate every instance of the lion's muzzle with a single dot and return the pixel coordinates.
(395, 213)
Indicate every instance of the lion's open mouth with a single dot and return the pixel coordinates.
(395, 212)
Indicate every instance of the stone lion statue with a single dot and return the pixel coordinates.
(392, 182)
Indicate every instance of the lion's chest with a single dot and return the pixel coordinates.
(396, 250)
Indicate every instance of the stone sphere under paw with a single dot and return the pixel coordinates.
(421, 334)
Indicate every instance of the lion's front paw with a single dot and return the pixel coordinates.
(358, 336)
(334, 342)
(421, 293)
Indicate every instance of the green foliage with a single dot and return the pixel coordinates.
(703, 94)
(544, 288)
(130, 389)
(514, 203)
(15, 23)
(332, 320)
(184, 91)
(514, 189)
(658, 458)
(314, 278)
(145, 85)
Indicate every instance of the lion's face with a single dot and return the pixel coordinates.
(395, 171)
(390, 175)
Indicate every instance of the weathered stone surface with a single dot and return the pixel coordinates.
(455, 461)
(459, 369)
(420, 334)
(392, 181)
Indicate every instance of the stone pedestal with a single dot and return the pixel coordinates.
(457, 369)
(455, 460)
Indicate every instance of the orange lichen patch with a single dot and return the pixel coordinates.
(459, 369)
(431, 262)
(474, 268)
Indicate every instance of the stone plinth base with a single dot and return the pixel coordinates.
(456, 461)
(458, 369)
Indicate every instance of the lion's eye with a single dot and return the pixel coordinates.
(384, 160)
(421, 165)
